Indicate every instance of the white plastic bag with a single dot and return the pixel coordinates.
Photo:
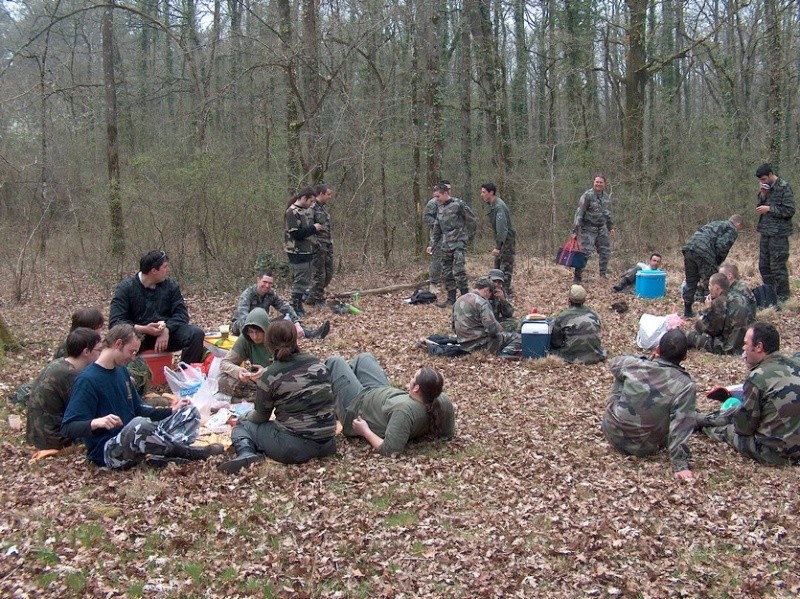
(204, 397)
(185, 381)
(652, 328)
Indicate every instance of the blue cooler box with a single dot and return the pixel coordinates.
(651, 284)
(535, 338)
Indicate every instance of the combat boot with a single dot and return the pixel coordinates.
(450, 301)
(188, 452)
(578, 278)
(687, 310)
(297, 304)
(319, 333)
(246, 454)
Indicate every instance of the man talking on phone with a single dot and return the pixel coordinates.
(775, 206)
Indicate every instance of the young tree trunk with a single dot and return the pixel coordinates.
(112, 142)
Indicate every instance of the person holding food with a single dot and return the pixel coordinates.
(244, 363)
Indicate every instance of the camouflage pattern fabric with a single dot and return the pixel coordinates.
(627, 282)
(766, 427)
(429, 216)
(455, 224)
(142, 437)
(477, 328)
(772, 258)
(576, 336)
(594, 211)
(454, 269)
(697, 271)
(48, 400)
(250, 299)
(740, 288)
(721, 328)
(503, 312)
(22, 394)
(505, 238)
(778, 221)
(140, 375)
(322, 264)
(712, 242)
(298, 220)
(299, 392)
(597, 238)
(237, 390)
(651, 406)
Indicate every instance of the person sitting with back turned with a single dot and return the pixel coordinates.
(721, 328)
(477, 328)
(652, 404)
(627, 281)
(766, 427)
(119, 430)
(388, 417)
(576, 331)
(152, 303)
(51, 389)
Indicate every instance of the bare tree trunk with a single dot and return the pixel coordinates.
(635, 85)
(465, 176)
(112, 143)
(775, 72)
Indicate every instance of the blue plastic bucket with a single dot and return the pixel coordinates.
(651, 284)
(535, 338)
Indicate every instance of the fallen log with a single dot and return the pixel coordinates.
(379, 290)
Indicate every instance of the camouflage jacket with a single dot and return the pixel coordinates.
(576, 336)
(594, 211)
(455, 225)
(299, 236)
(250, 299)
(780, 199)
(49, 397)
(299, 392)
(739, 287)
(500, 219)
(502, 308)
(713, 241)
(474, 322)
(651, 406)
(323, 216)
(770, 410)
(726, 322)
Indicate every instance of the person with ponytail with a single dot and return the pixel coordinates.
(387, 417)
(296, 387)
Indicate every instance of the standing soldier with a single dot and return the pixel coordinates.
(429, 216)
(455, 224)
(322, 264)
(505, 237)
(775, 210)
(299, 242)
(593, 225)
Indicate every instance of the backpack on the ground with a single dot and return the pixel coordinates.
(442, 345)
(422, 296)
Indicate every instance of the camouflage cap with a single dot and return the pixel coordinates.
(483, 283)
(496, 274)
(577, 294)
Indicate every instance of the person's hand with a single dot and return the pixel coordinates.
(684, 475)
(361, 427)
(256, 374)
(154, 329)
(709, 300)
(177, 405)
(613, 233)
(299, 329)
(108, 422)
(764, 208)
(499, 293)
(429, 249)
(162, 340)
(318, 227)
(495, 252)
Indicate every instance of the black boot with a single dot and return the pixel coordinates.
(687, 310)
(619, 286)
(319, 333)
(462, 291)
(578, 278)
(450, 301)
(246, 454)
(188, 452)
(297, 304)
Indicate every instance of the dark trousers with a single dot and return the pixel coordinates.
(772, 257)
(281, 445)
(697, 271)
(187, 338)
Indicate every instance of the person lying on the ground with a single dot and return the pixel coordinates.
(296, 388)
(50, 391)
(652, 404)
(387, 417)
(627, 282)
(105, 410)
(576, 331)
(476, 326)
(721, 328)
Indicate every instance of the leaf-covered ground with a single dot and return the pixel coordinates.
(529, 500)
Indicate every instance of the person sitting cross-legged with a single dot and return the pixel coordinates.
(576, 331)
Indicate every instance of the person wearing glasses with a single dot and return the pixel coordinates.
(152, 302)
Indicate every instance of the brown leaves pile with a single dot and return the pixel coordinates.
(528, 500)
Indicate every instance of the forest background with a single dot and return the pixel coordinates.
(184, 125)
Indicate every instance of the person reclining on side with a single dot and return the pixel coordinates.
(387, 417)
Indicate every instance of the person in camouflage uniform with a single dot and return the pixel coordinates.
(50, 391)
(737, 286)
(703, 253)
(627, 282)
(455, 224)
(297, 388)
(435, 269)
(119, 430)
(721, 328)
(300, 241)
(775, 206)
(477, 328)
(505, 236)
(502, 308)
(652, 404)
(262, 295)
(576, 331)
(387, 417)
(766, 427)
(594, 225)
(322, 264)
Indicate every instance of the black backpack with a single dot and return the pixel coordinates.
(422, 296)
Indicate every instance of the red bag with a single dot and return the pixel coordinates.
(571, 255)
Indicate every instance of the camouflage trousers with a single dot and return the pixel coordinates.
(435, 269)
(701, 341)
(599, 238)
(301, 278)
(142, 436)
(697, 271)
(511, 325)
(749, 446)
(505, 262)
(321, 272)
(507, 343)
(140, 375)
(238, 390)
(772, 257)
(640, 447)
(279, 444)
(454, 269)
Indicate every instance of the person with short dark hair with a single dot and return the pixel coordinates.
(505, 236)
(152, 303)
(593, 225)
(576, 331)
(296, 388)
(766, 426)
(119, 430)
(775, 207)
(721, 327)
(429, 216)
(300, 240)
(322, 263)
(652, 404)
(50, 391)
(477, 328)
(368, 406)
(627, 282)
